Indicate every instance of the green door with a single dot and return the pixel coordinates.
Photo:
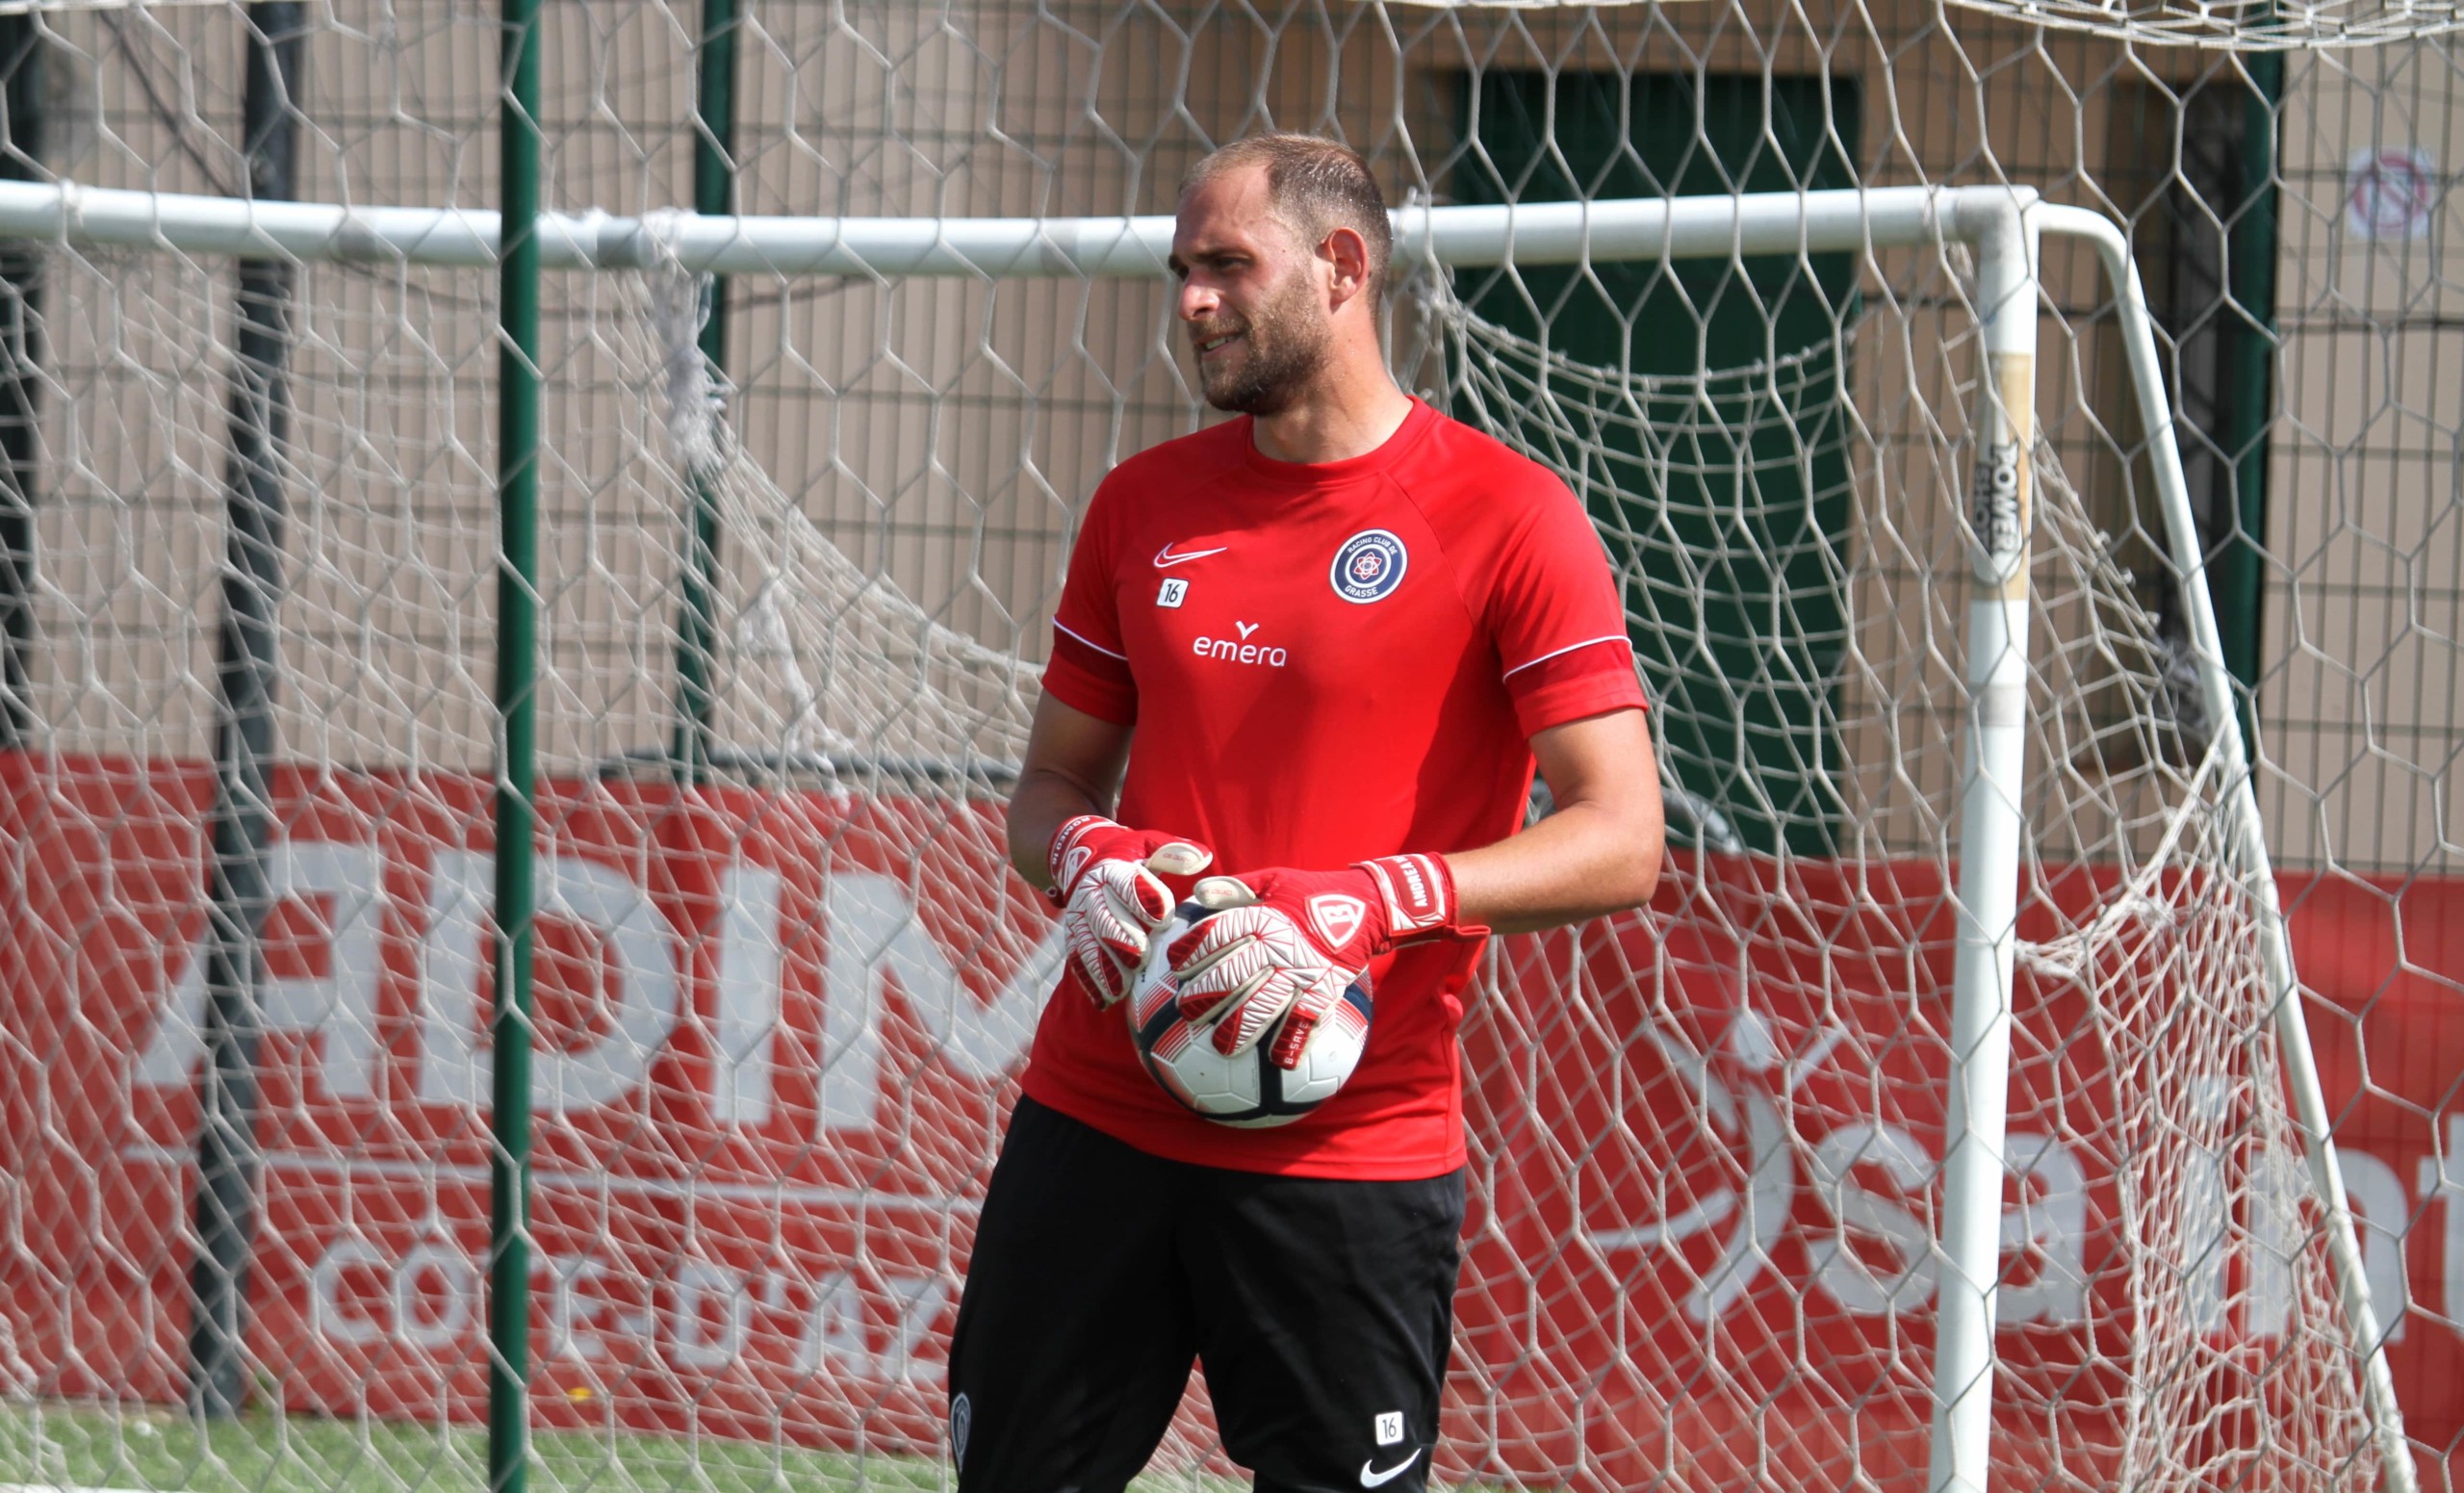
(1723, 499)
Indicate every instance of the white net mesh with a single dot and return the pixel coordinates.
(1781, 1031)
(829, 667)
(2245, 25)
(781, 1008)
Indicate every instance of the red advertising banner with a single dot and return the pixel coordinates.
(778, 1032)
(751, 1202)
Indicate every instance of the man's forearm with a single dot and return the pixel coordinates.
(1584, 860)
(1044, 801)
(1599, 853)
(1074, 767)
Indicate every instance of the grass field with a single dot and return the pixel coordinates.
(152, 1449)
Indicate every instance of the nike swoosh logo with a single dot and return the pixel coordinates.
(1370, 1477)
(1166, 559)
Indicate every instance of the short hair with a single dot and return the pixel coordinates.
(1318, 185)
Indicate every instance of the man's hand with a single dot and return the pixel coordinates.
(1286, 943)
(1103, 877)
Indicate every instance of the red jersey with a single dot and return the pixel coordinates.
(1322, 663)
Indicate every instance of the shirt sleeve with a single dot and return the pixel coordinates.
(1089, 669)
(1558, 619)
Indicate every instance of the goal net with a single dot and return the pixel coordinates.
(801, 530)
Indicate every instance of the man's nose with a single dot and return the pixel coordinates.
(1199, 302)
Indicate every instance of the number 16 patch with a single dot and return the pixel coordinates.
(1175, 591)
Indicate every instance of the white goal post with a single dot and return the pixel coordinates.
(2001, 227)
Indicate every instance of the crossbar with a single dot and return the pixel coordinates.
(1530, 233)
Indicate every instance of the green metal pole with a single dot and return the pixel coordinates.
(248, 669)
(713, 195)
(517, 708)
(2238, 574)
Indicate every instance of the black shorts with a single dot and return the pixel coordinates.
(1322, 1312)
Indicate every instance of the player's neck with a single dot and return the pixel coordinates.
(1351, 410)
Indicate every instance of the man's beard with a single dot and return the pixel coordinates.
(1286, 348)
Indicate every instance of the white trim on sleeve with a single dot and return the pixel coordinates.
(1613, 637)
(1124, 657)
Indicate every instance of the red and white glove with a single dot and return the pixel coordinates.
(1286, 943)
(1103, 877)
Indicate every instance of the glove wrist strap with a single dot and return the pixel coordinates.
(1064, 838)
(1418, 891)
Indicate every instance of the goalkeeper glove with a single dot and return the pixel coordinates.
(1103, 879)
(1286, 943)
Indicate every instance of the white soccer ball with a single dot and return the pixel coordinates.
(1248, 1090)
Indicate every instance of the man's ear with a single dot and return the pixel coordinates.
(1347, 252)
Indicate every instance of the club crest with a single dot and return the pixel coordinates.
(1369, 567)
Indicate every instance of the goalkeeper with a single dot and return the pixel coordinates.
(1315, 652)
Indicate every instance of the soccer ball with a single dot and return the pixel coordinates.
(1248, 1090)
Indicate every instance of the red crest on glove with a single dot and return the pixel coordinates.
(1336, 917)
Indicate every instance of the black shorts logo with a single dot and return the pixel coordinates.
(961, 1416)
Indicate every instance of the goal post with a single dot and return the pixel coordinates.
(1991, 826)
(1998, 225)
